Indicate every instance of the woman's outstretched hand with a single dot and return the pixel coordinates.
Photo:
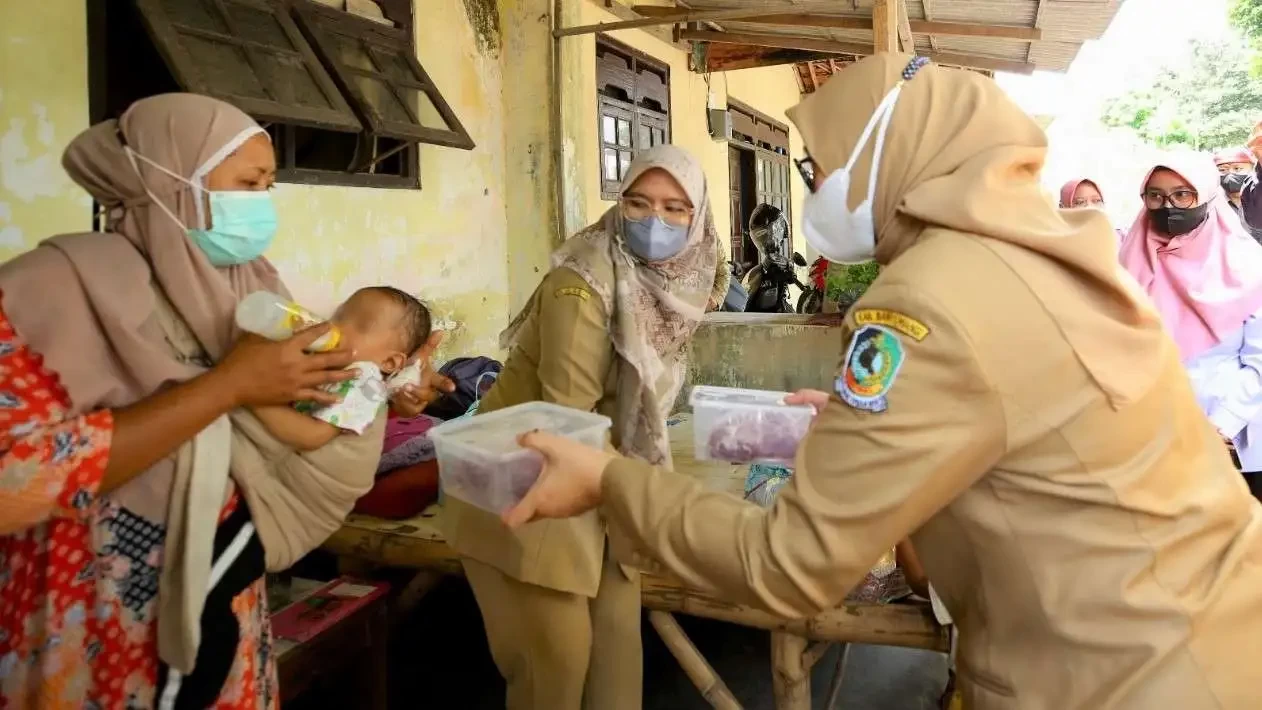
(411, 400)
(815, 398)
(569, 484)
(258, 372)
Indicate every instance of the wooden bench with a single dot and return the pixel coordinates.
(796, 644)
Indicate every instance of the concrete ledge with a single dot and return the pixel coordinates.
(770, 351)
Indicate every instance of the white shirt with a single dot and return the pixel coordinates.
(1227, 379)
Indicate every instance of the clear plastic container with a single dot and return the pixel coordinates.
(479, 460)
(746, 426)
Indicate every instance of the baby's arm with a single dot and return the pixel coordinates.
(296, 429)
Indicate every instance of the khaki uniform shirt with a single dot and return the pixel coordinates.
(1092, 558)
(563, 355)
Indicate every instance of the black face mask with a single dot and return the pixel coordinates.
(1233, 182)
(1176, 221)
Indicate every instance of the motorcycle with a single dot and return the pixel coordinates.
(737, 297)
(812, 299)
(770, 281)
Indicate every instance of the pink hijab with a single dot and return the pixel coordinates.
(1068, 189)
(1206, 282)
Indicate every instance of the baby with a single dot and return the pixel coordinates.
(384, 326)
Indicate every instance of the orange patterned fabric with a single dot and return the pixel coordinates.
(79, 573)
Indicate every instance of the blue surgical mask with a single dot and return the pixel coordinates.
(243, 223)
(242, 227)
(652, 239)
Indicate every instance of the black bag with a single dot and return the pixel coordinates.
(473, 377)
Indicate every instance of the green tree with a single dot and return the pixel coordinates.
(1246, 15)
(1206, 101)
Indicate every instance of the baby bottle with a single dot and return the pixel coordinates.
(276, 318)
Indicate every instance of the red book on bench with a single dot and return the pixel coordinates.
(308, 617)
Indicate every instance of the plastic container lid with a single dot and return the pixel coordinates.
(496, 433)
(735, 397)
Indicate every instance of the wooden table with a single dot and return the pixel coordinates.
(796, 644)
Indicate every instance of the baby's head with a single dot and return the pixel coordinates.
(383, 325)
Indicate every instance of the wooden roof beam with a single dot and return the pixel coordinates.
(653, 19)
(885, 25)
(730, 57)
(927, 6)
(811, 44)
(847, 22)
(1039, 9)
(905, 41)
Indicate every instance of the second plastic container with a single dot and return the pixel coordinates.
(746, 426)
(480, 462)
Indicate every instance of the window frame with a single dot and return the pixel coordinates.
(164, 25)
(167, 36)
(769, 144)
(324, 26)
(287, 173)
(641, 116)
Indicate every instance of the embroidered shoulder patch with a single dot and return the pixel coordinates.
(872, 361)
(901, 322)
(579, 293)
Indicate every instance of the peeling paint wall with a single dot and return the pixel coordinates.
(43, 104)
(447, 242)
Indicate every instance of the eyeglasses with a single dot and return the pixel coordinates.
(672, 212)
(806, 168)
(1183, 198)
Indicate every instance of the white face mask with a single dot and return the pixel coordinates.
(834, 231)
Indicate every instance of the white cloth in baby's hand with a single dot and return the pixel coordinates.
(362, 400)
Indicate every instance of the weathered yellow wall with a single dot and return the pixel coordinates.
(43, 104)
(448, 243)
(771, 90)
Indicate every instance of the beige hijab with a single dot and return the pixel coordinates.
(961, 156)
(655, 307)
(93, 305)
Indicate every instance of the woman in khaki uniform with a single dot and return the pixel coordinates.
(1007, 399)
(607, 330)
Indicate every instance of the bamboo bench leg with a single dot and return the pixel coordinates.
(791, 677)
(699, 671)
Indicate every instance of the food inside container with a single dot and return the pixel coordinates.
(747, 426)
(480, 462)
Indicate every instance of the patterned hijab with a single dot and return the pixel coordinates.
(654, 307)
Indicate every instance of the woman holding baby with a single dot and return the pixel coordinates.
(140, 502)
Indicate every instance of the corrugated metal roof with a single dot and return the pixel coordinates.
(1065, 25)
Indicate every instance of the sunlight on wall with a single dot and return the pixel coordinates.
(43, 104)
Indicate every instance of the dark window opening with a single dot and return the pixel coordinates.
(758, 167)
